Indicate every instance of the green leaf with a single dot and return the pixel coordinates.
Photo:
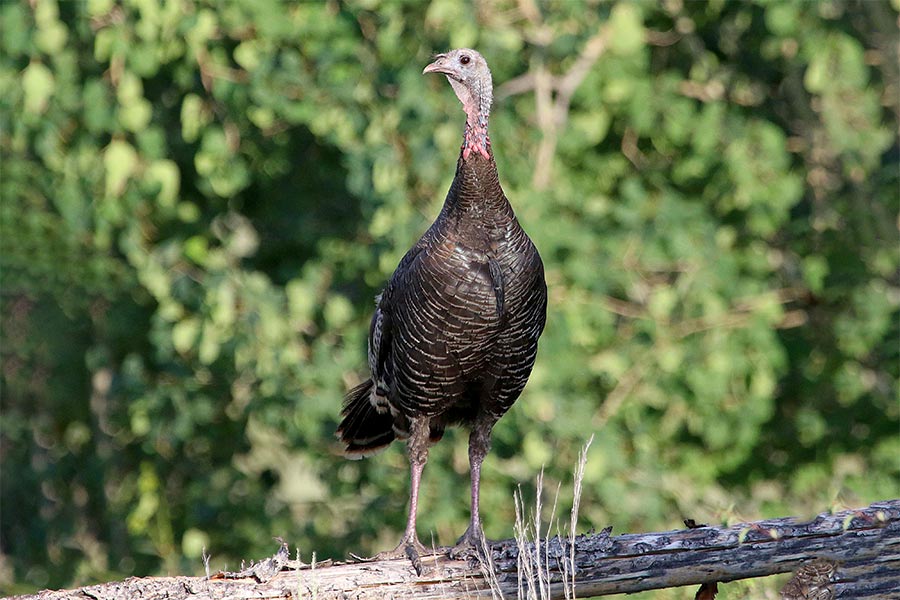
(194, 542)
(39, 85)
(99, 8)
(52, 37)
(165, 173)
(815, 270)
(194, 117)
(627, 29)
(120, 161)
(136, 115)
(196, 248)
(184, 334)
(338, 311)
(247, 54)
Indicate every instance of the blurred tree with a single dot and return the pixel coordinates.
(200, 200)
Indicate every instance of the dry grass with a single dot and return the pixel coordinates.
(539, 554)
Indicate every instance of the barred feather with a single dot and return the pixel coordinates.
(455, 331)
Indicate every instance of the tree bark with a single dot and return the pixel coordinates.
(850, 554)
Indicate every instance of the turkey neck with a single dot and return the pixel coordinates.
(475, 199)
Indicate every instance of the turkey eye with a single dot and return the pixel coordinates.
(464, 59)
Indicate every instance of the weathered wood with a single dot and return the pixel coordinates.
(863, 545)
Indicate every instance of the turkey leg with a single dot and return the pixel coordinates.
(417, 448)
(472, 542)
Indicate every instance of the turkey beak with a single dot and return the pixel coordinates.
(437, 67)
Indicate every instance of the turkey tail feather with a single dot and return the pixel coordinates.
(363, 430)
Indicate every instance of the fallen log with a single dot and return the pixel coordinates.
(849, 554)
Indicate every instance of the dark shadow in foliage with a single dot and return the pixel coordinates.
(305, 204)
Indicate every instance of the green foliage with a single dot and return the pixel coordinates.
(201, 199)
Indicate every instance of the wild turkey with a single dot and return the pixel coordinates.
(455, 332)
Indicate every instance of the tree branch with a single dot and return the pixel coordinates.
(553, 94)
(854, 554)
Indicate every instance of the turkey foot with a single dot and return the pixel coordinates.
(471, 546)
(410, 548)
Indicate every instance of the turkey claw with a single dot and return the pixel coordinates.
(471, 548)
(408, 549)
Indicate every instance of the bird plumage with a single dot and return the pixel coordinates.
(455, 332)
